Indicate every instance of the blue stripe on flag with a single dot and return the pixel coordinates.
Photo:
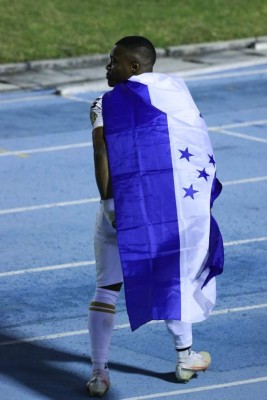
(146, 215)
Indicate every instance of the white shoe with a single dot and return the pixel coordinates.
(190, 363)
(99, 383)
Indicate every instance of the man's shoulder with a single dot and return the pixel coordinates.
(97, 103)
(96, 113)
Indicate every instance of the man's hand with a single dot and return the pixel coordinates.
(109, 211)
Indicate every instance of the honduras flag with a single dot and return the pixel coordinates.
(163, 178)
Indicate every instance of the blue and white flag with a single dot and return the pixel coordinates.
(164, 183)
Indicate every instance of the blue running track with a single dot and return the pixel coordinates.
(47, 208)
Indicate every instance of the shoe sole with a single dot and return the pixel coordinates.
(96, 394)
(184, 375)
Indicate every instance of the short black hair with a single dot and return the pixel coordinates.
(142, 45)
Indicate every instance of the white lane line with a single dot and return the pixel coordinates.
(92, 262)
(75, 98)
(49, 268)
(97, 199)
(30, 98)
(198, 389)
(240, 135)
(248, 180)
(6, 153)
(49, 205)
(239, 124)
(226, 67)
(45, 149)
(225, 75)
(239, 309)
(123, 326)
(245, 241)
(45, 337)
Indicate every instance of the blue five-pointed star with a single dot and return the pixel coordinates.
(211, 161)
(203, 174)
(190, 192)
(185, 154)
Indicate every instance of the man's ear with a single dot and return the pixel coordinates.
(135, 66)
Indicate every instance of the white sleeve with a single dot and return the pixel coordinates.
(96, 113)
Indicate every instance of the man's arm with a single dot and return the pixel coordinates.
(102, 174)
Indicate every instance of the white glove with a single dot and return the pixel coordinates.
(109, 211)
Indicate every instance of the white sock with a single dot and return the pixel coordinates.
(101, 321)
(181, 333)
(183, 354)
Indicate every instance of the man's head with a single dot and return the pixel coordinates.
(132, 55)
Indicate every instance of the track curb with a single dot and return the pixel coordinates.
(101, 59)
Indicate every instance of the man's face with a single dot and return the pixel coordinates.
(120, 67)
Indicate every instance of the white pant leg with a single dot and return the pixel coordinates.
(108, 264)
(181, 333)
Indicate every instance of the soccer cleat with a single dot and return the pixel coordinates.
(191, 363)
(99, 384)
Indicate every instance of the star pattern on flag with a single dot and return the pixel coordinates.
(189, 192)
(203, 174)
(211, 161)
(186, 154)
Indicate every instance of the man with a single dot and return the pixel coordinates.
(155, 172)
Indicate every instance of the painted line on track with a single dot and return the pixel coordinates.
(75, 98)
(7, 153)
(240, 135)
(97, 199)
(239, 125)
(123, 326)
(216, 129)
(48, 268)
(245, 241)
(30, 98)
(225, 75)
(239, 309)
(248, 180)
(226, 67)
(92, 262)
(199, 389)
(49, 205)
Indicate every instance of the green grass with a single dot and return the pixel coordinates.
(41, 29)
